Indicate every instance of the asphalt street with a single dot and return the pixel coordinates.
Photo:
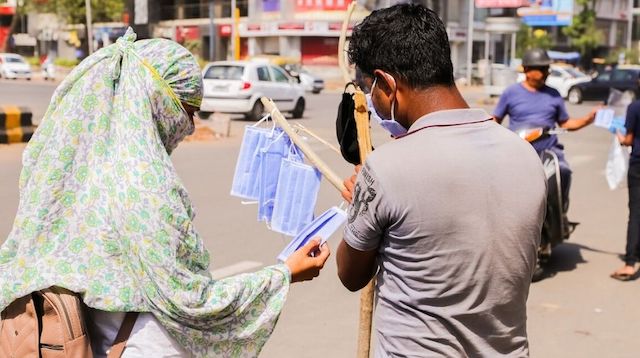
(578, 311)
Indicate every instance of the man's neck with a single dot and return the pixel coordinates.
(529, 87)
(435, 99)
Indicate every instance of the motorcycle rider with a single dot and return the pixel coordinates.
(532, 104)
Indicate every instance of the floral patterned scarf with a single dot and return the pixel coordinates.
(103, 213)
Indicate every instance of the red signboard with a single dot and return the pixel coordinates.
(187, 33)
(501, 3)
(291, 26)
(224, 30)
(322, 5)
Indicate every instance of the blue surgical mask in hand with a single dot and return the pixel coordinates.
(323, 226)
(246, 176)
(295, 199)
(271, 160)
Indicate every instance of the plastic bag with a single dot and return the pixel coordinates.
(617, 164)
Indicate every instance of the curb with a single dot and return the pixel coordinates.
(16, 125)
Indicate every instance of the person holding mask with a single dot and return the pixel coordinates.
(631, 138)
(104, 214)
(436, 215)
(533, 104)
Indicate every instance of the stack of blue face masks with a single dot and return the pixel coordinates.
(295, 197)
(270, 170)
(245, 179)
(270, 163)
(323, 226)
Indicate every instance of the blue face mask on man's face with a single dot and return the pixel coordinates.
(390, 125)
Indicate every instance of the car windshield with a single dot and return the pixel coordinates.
(13, 60)
(575, 73)
(224, 72)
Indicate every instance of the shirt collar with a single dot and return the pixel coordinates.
(450, 117)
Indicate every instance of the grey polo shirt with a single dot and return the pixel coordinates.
(455, 211)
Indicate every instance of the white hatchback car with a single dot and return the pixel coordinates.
(237, 86)
(14, 66)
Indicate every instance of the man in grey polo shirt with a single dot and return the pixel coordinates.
(448, 216)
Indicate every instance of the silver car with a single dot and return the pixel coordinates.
(237, 86)
(14, 66)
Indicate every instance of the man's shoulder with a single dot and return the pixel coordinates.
(634, 106)
(510, 90)
(551, 91)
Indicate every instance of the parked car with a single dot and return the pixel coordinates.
(14, 66)
(237, 86)
(310, 82)
(562, 78)
(625, 80)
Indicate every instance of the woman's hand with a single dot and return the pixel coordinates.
(307, 261)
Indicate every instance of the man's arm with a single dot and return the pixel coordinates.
(356, 255)
(573, 124)
(626, 140)
(355, 268)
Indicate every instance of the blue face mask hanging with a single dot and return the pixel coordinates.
(295, 198)
(390, 125)
(246, 177)
(323, 226)
(271, 160)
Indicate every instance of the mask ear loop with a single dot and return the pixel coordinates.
(265, 118)
(293, 150)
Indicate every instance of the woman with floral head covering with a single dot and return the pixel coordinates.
(103, 213)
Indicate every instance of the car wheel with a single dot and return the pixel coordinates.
(256, 111)
(575, 96)
(298, 110)
(315, 91)
(630, 94)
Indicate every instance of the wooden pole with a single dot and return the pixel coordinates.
(361, 114)
(333, 178)
(367, 293)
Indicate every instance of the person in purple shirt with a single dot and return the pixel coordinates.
(533, 104)
(632, 138)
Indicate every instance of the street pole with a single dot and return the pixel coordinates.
(470, 41)
(629, 23)
(233, 29)
(212, 32)
(89, 28)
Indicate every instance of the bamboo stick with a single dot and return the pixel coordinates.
(343, 39)
(317, 137)
(333, 178)
(366, 295)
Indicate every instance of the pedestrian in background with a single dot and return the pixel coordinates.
(437, 215)
(103, 213)
(631, 138)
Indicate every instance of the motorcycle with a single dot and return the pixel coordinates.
(556, 228)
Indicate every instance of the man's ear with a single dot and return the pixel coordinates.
(386, 83)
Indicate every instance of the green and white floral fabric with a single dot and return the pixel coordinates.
(103, 213)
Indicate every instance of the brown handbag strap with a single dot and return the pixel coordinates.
(123, 335)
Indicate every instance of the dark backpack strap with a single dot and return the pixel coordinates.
(123, 335)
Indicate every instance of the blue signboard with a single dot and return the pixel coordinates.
(547, 13)
(270, 5)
